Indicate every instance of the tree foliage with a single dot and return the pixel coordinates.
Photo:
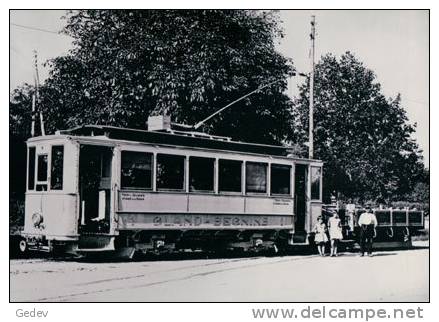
(129, 64)
(364, 138)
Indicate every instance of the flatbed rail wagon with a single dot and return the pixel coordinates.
(395, 226)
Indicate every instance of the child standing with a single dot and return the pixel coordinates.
(320, 235)
(335, 232)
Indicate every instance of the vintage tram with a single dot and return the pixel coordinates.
(101, 188)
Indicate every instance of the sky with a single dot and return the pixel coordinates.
(393, 43)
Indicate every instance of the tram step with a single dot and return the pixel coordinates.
(300, 238)
(98, 243)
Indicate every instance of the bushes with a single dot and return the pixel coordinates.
(16, 213)
(411, 205)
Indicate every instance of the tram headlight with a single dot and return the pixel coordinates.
(37, 219)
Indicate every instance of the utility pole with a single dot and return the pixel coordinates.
(37, 101)
(311, 89)
(32, 128)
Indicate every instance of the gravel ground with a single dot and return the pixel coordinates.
(401, 275)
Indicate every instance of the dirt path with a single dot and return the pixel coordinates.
(388, 276)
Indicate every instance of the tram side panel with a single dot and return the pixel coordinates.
(155, 210)
(142, 210)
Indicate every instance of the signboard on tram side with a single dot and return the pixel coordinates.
(168, 202)
(202, 221)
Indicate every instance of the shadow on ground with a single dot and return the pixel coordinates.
(202, 255)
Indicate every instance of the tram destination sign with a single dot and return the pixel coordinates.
(202, 221)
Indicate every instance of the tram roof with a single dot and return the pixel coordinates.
(178, 138)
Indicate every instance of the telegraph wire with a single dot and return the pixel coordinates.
(38, 29)
(415, 101)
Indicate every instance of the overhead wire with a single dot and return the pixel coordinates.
(38, 29)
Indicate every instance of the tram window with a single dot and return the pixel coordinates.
(229, 175)
(256, 177)
(170, 172)
(31, 169)
(42, 172)
(316, 174)
(201, 174)
(56, 171)
(42, 167)
(136, 170)
(106, 163)
(280, 179)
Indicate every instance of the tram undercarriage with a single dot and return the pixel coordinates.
(142, 242)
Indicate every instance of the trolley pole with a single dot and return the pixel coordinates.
(311, 89)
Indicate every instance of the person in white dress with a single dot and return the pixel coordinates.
(335, 232)
(320, 235)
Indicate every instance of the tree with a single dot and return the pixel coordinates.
(364, 138)
(421, 190)
(128, 64)
(19, 131)
(20, 103)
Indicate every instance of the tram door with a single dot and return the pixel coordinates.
(300, 190)
(94, 188)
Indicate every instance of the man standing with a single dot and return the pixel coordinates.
(367, 223)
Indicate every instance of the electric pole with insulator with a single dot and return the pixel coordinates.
(36, 99)
(311, 89)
